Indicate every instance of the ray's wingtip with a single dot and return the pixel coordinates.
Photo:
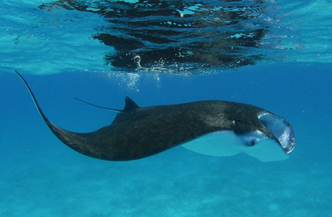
(17, 73)
(26, 84)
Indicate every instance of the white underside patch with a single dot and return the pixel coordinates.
(226, 143)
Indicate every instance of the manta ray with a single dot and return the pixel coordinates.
(217, 128)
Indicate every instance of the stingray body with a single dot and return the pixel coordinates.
(139, 132)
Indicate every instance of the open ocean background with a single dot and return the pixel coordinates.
(40, 176)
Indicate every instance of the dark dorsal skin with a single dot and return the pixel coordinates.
(139, 132)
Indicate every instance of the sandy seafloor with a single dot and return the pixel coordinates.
(40, 176)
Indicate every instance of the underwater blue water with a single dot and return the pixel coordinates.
(40, 176)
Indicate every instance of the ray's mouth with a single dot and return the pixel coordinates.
(281, 130)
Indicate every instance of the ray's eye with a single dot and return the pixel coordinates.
(251, 142)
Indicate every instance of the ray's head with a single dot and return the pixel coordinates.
(281, 130)
(273, 141)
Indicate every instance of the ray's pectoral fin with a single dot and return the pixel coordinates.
(35, 101)
(80, 142)
(71, 139)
